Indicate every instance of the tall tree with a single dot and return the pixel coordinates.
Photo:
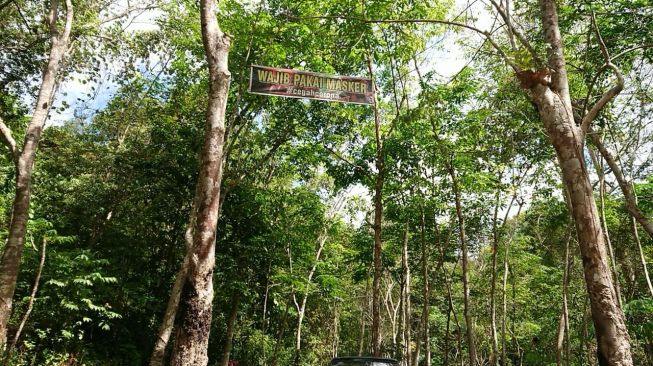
(192, 337)
(554, 104)
(23, 159)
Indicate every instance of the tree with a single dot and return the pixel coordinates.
(24, 159)
(191, 340)
(554, 104)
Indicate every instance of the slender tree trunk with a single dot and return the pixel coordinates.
(564, 319)
(401, 350)
(613, 260)
(265, 299)
(336, 330)
(406, 308)
(506, 270)
(378, 221)
(427, 295)
(515, 341)
(447, 334)
(459, 329)
(364, 307)
(445, 361)
(465, 257)
(301, 310)
(192, 336)
(628, 190)
(418, 345)
(554, 105)
(585, 333)
(493, 308)
(282, 332)
(390, 309)
(30, 304)
(167, 324)
(231, 325)
(24, 162)
(450, 310)
(641, 256)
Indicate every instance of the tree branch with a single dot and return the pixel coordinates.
(612, 92)
(520, 36)
(30, 304)
(127, 12)
(7, 139)
(52, 17)
(511, 36)
(605, 99)
(643, 46)
(69, 20)
(343, 159)
(485, 34)
(625, 185)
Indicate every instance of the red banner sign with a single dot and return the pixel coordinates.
(304, 84)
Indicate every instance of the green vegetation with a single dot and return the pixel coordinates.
(449, 224)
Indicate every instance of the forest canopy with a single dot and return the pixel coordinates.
(490, 205)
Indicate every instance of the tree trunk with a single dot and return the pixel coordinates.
(564, 312)
(465, 257)
(378, 220)
(445, 361)
(426, 294)
(506, 270)
(167, 324)
(641, 256)
(613, 260)
(391, 309)
(231, 323)
(192, 336)
(264, 321)
(282, 332)
(301, 310)
(515, 341)
(414, 358)
(493, 286)
(30, 304)
(585, 333)
(406, 311)
(612, 336)
(450, 310)
(24, 162)
(336, 330)
(554, 105)
(400, 352)
(364, 309)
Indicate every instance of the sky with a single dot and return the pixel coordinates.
(74, 89)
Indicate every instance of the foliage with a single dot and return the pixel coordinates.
(113, 187)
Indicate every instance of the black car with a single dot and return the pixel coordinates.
(363, 361)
